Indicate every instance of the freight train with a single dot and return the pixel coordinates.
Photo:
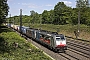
(53, 40)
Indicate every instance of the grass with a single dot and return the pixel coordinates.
(67, 30)
(24, 51)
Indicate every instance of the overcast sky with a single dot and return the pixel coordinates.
(37, 5)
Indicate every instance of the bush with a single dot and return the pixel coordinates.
(24, 51)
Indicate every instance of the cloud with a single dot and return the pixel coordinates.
(33, 6)
(30, 5)
(9, 0)
(25, 4)
(68, 3)
(49, 5)
(18, 3)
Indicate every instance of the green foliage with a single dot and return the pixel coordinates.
(59, 13)
(34, 17)
(62, 13)
(82, 3)
(74, 16)
(83, 7)
(47, 17)
(24, 51)
(3, 10)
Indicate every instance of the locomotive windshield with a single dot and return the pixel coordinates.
(60, 37)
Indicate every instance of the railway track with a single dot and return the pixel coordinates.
(77, 39)
(80, 47)
(79, 42)
(71, 53)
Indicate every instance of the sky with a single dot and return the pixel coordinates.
(37, 5)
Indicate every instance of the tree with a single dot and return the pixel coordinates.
(82, 3)
(3, 10)
(74, 17)
(34, 17)
(47, 16)
(51, 16)
(61, 13)
(88, 17)
(83, 7)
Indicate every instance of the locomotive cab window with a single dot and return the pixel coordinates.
(62, 37)
(58, 39)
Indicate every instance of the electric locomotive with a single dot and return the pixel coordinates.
(55, 41)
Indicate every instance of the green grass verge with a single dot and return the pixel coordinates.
(24, 51)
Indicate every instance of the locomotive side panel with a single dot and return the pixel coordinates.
(28, 32)
(24, 29)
